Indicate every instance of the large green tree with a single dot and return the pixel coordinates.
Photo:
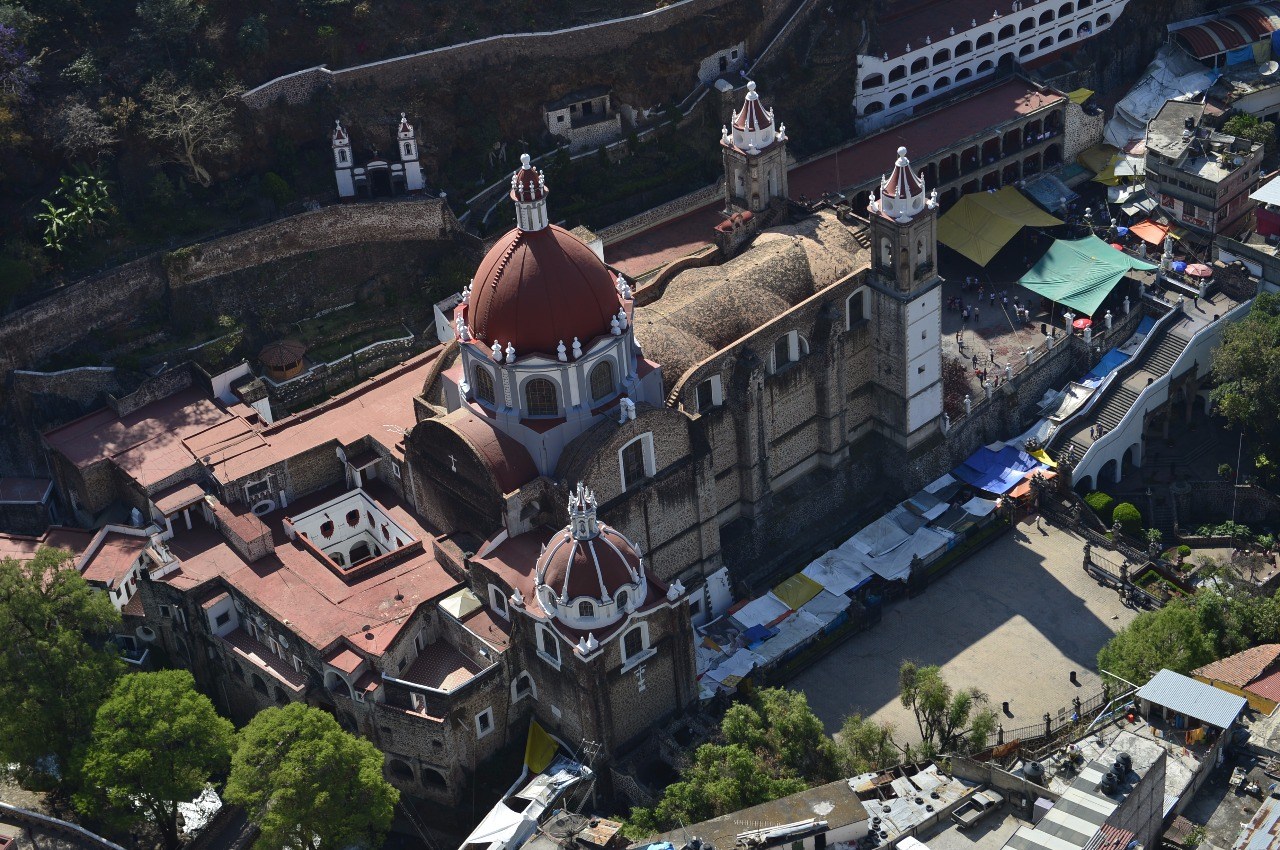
(56, 664)
(949, 720)
(1246, 369)
(309, 785)
(865, 745)
(778, 725)
(1250, 127)
(1175, 637)
(156, 743)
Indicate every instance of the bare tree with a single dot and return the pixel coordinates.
(192, 128)
(79, 130)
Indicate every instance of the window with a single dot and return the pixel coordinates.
(781, 352)
(1006, 32)
(963, 74)
(548, 647)
(1028, 24)
(222, 619)
(166, 611)
(540, 398)
(1065, 35)
(898, 99)
(395, 468)
(986, 40)
(985, 66)
(920, 91)
(1103, 20)
(498, 601)
(326, 529)
(259, 685)
(586, 609)
(484, 723)
(636, 461)
(897, 73)
(1066, 9)
(709, 393)
(1027, 50)
(353, 518)
(258, 490)
(523, 687)
(1046, 18)
(964, 48)
(920, 65)
(635, 642)
(872, 81)
(941, 56)
(602, 380)
(873, 107)
(483, 379)
(342, 155)
(1046, 42)
(622, 600)
(942, 83)
(559, 119)
(855, 308)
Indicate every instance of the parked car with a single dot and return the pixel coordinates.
(979, 805)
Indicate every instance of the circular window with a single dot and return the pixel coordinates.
(264, 507)
(146, 633)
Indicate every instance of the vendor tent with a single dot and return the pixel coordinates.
(839, 571)
(996, 471)
(1080, 273)
(879, 537)
(979, 225)
(1050, 192)
(1079, 96)
(1150, 232)
(797, 590)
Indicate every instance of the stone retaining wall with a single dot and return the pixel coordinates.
(661, 214)
(326, 379)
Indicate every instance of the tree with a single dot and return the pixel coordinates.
(83, 203)
(306, 783)
(156, 742)
(948, 720)
(1246, 126)
(865, 745)
(191, 128)
(1174, 637)
(56, 664)
(722, 778)
(79, 130)
(1246, 369)
(1129, 518)
(169, 24)
(783, 731)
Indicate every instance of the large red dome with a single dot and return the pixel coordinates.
(537, 288)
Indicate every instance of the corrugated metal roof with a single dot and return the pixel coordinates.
(1194, 699)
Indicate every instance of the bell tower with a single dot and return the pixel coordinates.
(907, 295)
(754, 150)
(408, 142)
(342, 163)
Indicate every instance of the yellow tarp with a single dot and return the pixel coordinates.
(979, 225)
(1098, 157)
(1043, 456)
(1079, 96)
(797, 590)
(539, 749)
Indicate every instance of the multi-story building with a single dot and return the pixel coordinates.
(929, 48)
(1200, 177)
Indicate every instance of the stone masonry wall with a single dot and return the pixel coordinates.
(605, 37)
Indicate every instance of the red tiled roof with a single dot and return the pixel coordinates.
(24, 490)
(368, 681)
(214, 600)
(133, 608)
(752, 116)
(173, 499)
(1231, 30)
(1267, 686)
(22, 547)
(109, 563)
(1243, 667)
(243, 523)
(507, 459)
(244, 645)
(342, 658)
(440, 666)
(929, 18)
(494, 631)
(527, 185)
(666, 242)
(295, 588)
(864, 161)
(1110, 837)
(596, 568)
(535, 289)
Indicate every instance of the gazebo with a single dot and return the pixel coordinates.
(282, 358)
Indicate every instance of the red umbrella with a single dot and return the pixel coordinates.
(1117, 246)
(1199, 270)
(1082, 323)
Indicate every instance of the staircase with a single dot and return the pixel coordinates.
(1118, 399)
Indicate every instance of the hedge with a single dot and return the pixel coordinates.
(1101, 504)
(1129, 517)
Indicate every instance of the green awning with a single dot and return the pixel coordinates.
(1080, 273)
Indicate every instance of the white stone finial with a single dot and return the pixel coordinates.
(517, 598)
(496, 351)
(908, 47)
(581, 648)
(902, 157)
(582, 513)
(973, 22)
(928, 39)
(577, 348)
(953, 31)
(526, 161)
(886, 56)
(560, 353)
(511, 353)
(615, 327)
(622, 317)
(751, 90)
(592, 643)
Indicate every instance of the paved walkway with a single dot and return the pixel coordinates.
(1014, 619)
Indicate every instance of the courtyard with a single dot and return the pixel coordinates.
(1014, 619)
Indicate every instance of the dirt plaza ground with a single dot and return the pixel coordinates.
(1014, 619)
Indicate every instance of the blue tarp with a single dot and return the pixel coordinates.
(1145, 326)
(1108, 364)
(1240, 55)
(996, 472)
(759, 633)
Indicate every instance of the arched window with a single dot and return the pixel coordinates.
(872, 81)
(985, 40)
(963, 74)
(920, 91)
(635, 461)
(873, 107)
(1084, 30)
(1046, 18)
(400, 770)
(586, 609)
(622, 600)
(1007, 32)
(1084, 4)
(547, 645)
(326, 529)
(855, 309)
(941, 56)
(483, 380)
(1065, 35)
(1047, 41)
(540, 398)
(1066, 9)
(408, 149)
(897, 73)
(920, 65)
(602, 380)
(342, 155)
(523, 687)
(1027, 50)
(1028, 24)
(1103, 20)
(259, 685)
(942, 83)
(633, 643)
(898, 99)
(353, 518)
(433, 778)
(964, 48)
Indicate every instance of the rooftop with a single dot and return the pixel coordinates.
(298, 590)
(911, 22)
(111, 561)
(440, 666)
(1165, 131)
(23, 491)
(1243, 667)
(1191, 698)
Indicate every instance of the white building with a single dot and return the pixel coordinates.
(935, 46)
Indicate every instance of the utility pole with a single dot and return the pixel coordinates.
(590, 751)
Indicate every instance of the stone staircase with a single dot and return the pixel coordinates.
(1120, 397)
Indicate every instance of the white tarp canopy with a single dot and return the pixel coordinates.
(502, 827)
(826, 606)
(1172, 75)
(879, 537)
(839, 571)
(739, 664)
(792, 633)
(905, 519)
(762, 611)
(978, 506)
(1268, 193)
(461, 604)
(896, 565)
(927, 505)
(945, 481)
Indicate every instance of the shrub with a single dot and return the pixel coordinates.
(275, 188)
(1225, 470)
(1184, 550)
(1101, 504)
(1129, 517)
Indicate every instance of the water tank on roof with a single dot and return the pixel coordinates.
(1126, 760)
(1034, 771)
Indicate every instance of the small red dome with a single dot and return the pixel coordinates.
(537, 288)
(596, 568)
